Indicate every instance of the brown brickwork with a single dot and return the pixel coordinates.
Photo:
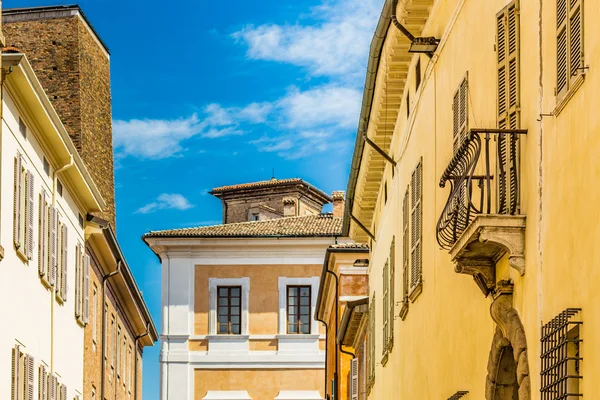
(74, 68)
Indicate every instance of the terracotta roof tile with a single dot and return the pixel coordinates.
(304, 226)
(360, 246)
(270, 182)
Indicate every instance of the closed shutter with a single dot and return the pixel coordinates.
(78, 281)
(354, 379)
(52, 388)
(392, 309)
(575, 39)
(30, 214)
(459, 114)
(29, 376)
(385, 308)
(53, 245)
(569, 44)
(43, 237)
(16, 373)
(405, 247)
(63, 392)
(43, 383)
(86, 289)
(63, 262)
(416, 229)
(18, 187)
(508, 69)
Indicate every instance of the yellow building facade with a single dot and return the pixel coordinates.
(475, 156)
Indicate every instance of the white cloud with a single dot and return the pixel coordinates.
(337, 45)
(166, 201)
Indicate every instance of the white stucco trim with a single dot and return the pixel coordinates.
(283, 282)
(213, 283)
(227, 395)
(299, 395)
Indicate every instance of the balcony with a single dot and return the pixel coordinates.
(481, 220)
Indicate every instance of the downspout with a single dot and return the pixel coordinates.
(105, 278)
(326, 346)
(347, 352)
(135, 360)
(337, 360)
(53, 296)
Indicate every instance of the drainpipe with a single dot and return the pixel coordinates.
(135, 360)
(326, 346)
(105, 278)
(337, 360)
(53, 296)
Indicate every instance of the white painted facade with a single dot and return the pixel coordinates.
(32, 317)
(179, 258)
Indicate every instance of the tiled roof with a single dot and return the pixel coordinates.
(259, 184)
(304, 226)
(358, 246)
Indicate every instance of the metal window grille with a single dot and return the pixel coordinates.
(561, 358)
(298, 304)
(230, 310)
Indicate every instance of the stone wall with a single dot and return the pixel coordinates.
(74, 69)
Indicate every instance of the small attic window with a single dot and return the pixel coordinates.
(46, 166)
(59, 188)
(255, 217)
(22, 128)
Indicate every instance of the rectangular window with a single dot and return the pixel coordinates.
(460, 114)
(561, 357)
(405, 254)
(371, 340)
(407, 104)
(230, 310)
(23, 370)
(82, 285)
(255, 217)
(392, 303)
(298, 309)
(113, 335)
(22, 128)
(46, 166)
(416, 268)
(118, 346)
(569, 44)
(385, 310)
(61, 260)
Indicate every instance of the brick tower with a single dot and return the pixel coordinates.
(73, 65)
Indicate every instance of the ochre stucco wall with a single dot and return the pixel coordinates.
(261, 384)
(263, 296)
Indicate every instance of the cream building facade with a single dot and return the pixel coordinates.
(475, 155)
(46, 192)
(239, 300)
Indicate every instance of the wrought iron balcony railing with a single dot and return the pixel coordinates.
(470, 175)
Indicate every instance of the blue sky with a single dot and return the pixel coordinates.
(214, 93)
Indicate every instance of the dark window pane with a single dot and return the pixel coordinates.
(235, 292)
(235, 319)
(293, 328)
(292, 291)
(222, 328)
(235, 329)
(305, 329)
(292, 301)
(292, 310)
(222, 310)
(305, 292)
(305, 301)
(304, 310)
(223, 319)
(304, 319)
(235, 311)
(235, 301)
(223, 292)
(222, 301)
(292, 319)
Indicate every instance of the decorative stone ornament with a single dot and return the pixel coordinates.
(508, 368)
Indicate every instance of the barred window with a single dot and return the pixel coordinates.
(561, 356)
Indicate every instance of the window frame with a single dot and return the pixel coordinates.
(213, 284)
(298, 305)
(282, 284)
(229, 312)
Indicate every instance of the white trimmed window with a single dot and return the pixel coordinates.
(213, 286)
(284, 284)
(23, 207)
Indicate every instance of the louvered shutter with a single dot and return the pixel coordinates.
(392, 294)
(63, 392)
(416, 230)
(508, 68)
(43, 237)
(86, 289)
(354, 379)
(575, 39)
(63, 262)
(30, 213)
(78, 280)
(29, 376)
(52, 388)
(53, 245)
(385, 308)
(17, 201)
(561, 47)
(16, 373)
(43, 383)
(456, 121)
(405, 247)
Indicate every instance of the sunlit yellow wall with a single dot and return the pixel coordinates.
(443, 344)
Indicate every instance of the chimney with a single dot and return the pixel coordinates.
(338, 203)
(289, 207)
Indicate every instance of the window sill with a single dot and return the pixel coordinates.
(415, 292)
(228, 337)
(562, 102)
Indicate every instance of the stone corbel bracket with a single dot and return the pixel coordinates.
(484, 242)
